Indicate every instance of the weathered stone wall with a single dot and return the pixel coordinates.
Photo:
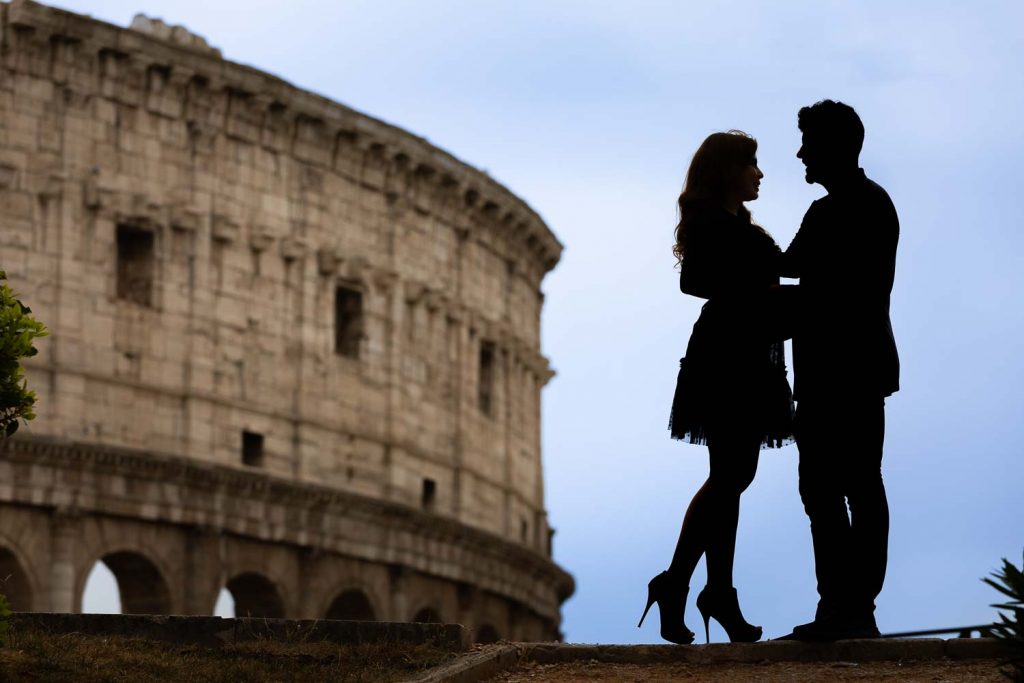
(175, 532)
(253, 202)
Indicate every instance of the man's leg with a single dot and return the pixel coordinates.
(822, 496)
(869, 508)
(840, 460)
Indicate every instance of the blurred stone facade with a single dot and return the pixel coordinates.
(295, 350)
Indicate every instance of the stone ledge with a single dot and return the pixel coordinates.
(217, 631)
(874, 650)
(476, 666)
(492, 660)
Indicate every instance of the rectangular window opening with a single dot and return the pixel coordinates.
(348, 321)
(135, 265)
(429, 494)
(486, 388)
(252, 449)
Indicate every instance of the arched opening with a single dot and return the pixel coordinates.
(225, 605)
(14, 582)
(352, 605)
(255, 596)
(140, 587)
(427, 615)
(100, 593)
(487, 634)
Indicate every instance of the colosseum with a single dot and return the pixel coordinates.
(294, 351)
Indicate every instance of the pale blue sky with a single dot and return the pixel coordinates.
(590, 111)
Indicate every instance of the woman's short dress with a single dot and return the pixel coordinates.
(723, 385)
(732, 379)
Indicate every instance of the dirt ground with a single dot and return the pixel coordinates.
(29, 655)
(970, 671)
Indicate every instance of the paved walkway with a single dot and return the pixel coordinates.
(972, 660)
(931, 660)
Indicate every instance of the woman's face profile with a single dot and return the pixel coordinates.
(749, 182)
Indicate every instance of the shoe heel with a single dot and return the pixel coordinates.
(671, 599)
(650, 601)
(707, 626)
(724, 607)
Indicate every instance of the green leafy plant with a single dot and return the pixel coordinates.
(5, 619)
(18, 332)
(1010, 627)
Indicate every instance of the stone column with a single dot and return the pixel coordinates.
(64, 528)
(468, 599)
(304, 603)
(511, 528)
(515, 621)
(202, 571)
(458, 319)
(399, 580)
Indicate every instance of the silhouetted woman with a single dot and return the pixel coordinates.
(732, 393)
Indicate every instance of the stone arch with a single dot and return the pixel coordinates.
(145, 558)
(25, 546)
(427, 615)
(352, 604)
(255, 596)
(486, 633)
(140, 583)
(15, 581)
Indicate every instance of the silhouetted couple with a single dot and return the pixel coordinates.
(732, 393)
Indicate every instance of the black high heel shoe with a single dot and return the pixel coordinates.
(724, 606)
(671, 599)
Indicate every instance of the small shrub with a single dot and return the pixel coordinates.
(5, 619)
(18, 331)
(1010, 627)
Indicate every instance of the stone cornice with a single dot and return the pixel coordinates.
(173, 490)
(174, 80)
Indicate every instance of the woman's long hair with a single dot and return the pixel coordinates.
(713, 174)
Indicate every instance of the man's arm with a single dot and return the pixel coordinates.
(790, 262)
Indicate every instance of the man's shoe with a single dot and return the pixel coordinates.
(834, 627)
(802, 631)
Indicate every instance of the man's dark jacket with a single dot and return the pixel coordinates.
(845, 257)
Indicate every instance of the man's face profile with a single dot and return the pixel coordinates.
(810, 153)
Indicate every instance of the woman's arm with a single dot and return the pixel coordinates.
(721, 261)
(701, 265)
(694, 280)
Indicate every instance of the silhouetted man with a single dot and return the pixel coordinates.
(845, 364)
